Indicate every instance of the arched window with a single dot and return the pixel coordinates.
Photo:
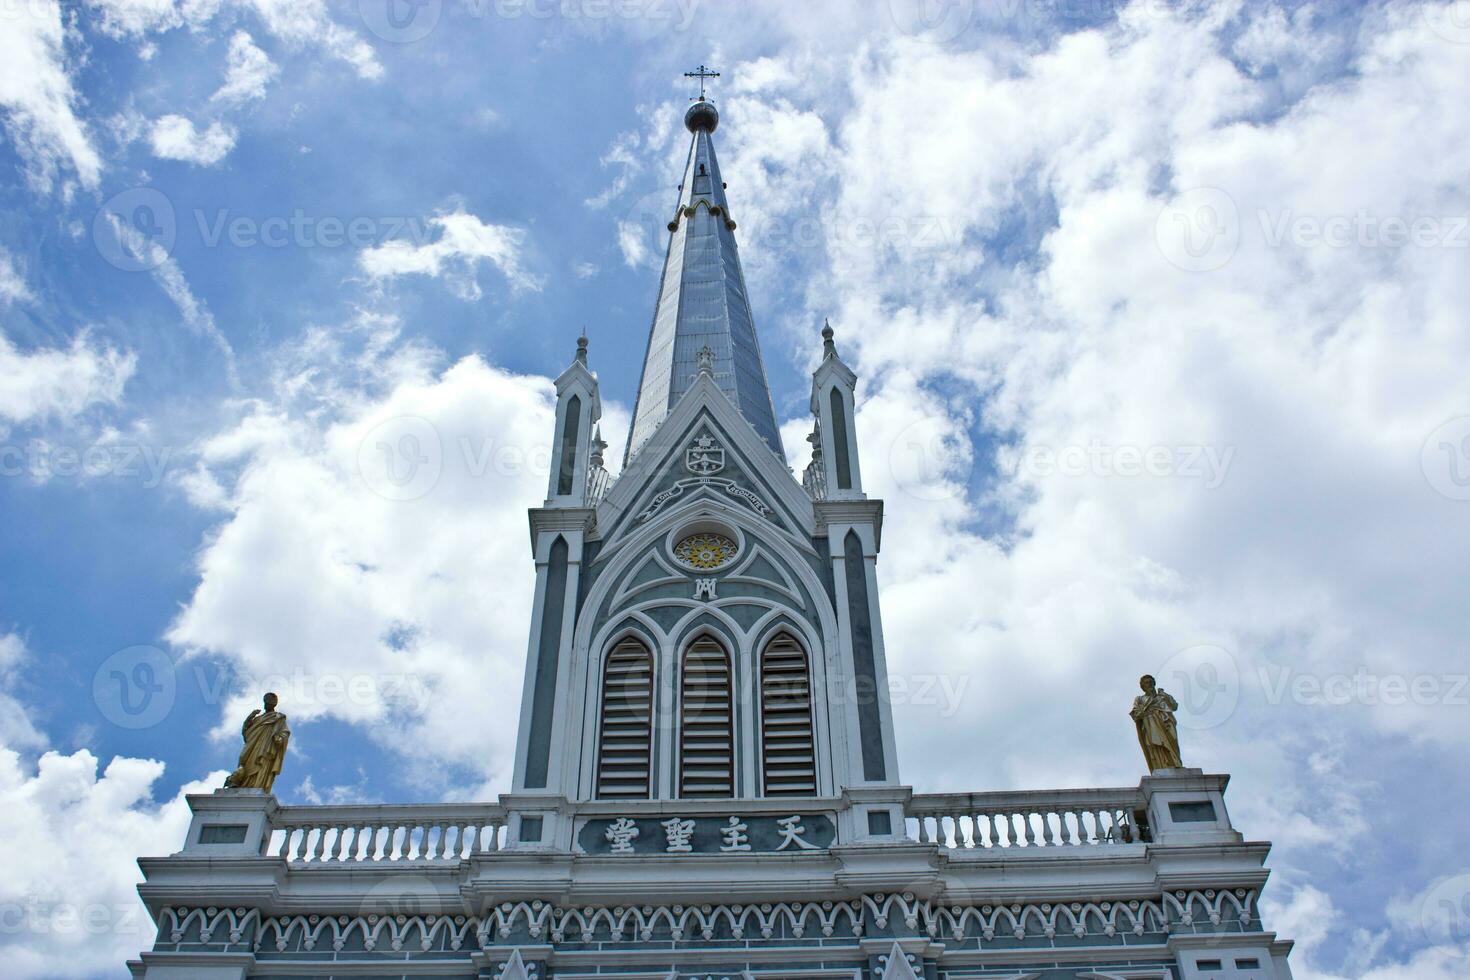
(624, 760)
(569, 446)
(788, 756)
(839, 441)
(706, 743)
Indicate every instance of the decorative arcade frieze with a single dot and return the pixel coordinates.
(904, 914)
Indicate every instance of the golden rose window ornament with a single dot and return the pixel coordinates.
(706, 550)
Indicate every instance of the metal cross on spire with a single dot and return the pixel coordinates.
(702, 73)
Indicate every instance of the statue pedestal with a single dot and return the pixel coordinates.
(229, 823)
(1186, 806)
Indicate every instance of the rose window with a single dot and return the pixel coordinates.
(705, 550)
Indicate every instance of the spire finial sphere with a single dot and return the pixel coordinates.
(701, 117)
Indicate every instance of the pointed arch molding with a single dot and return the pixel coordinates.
(628, 556)
(629, 585)
(786, 586)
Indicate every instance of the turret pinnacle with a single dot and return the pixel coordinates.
(702, 302)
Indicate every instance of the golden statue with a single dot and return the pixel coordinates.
(1158, 733)
(265, 735)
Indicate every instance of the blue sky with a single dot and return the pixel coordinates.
(1159, 313)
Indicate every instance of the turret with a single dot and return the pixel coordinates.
(578, 409)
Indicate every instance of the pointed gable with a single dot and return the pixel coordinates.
(667, 471)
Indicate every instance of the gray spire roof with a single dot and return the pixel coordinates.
(702, 302)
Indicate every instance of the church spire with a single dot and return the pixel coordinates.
(702, 302)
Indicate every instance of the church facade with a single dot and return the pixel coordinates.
(706, 780)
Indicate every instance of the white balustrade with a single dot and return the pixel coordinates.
(1048, 818)
(377, 833)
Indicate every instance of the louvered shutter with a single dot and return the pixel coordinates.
(624, 755)
(787, 753)
(706, 745)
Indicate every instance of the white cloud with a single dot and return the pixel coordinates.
(64, 902)
(165, 271)
(464, 242)
(59, 383)
(308, 23)
(175, 138)
(585, 270)
(16, 729)
(380, 583)
(384, 490)
(39, 98)
(248, 71)
(13, 286)
(632, 244)
(299, 23)
(79, 905)
(136, 18)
